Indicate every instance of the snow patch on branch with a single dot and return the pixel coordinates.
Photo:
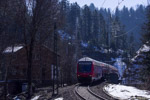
(84, 44)
(145, 48)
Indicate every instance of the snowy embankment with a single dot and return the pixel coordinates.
(139, 54)
(59, 98)
(126, 92)
(35, 98)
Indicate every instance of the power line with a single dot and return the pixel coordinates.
(127, 32)
(119, 3)
(103, 3)
(148, 2)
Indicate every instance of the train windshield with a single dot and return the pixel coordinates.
(85, 67)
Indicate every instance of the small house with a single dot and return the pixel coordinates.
(15, 63)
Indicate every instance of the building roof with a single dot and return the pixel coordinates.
(11, 49)
(15, 48)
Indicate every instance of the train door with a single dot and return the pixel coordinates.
(100, 72)
(97, 72)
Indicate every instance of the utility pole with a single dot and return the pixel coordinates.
(115, 30)
(76, 39)
(55, 67)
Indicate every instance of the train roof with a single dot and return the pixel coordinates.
(97, 62)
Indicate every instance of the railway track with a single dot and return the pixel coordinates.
(85, 93)
(97, 89)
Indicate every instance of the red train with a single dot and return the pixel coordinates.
(89, 70)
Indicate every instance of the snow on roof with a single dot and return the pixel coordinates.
(13, 49)
(126, 92)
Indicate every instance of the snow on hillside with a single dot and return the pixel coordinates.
(143, 49)
(121, 66)
(84, 44)
(59, 98)
(63, 35)
(126, 92)
(35, 98)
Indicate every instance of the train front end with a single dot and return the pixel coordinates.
(84, 71)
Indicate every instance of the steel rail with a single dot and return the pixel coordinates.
(98, 96)
(77, 92)
(88, 90)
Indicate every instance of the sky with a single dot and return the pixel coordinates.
(111, 3)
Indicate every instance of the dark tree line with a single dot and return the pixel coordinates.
(139, 70)
(145, 70)
(27, 22)
(102, 34)
(99, 28)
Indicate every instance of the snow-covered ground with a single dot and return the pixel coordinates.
(35, 98)
(126, 92)
(59, 98)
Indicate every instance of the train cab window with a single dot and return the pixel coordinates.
(85, 67)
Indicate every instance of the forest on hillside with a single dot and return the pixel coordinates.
(105, 35)
(101, 30)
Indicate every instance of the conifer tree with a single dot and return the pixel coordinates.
(146, 57)
(95, 26)
(102, 31)
(86, 23)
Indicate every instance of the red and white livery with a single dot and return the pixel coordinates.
(89, 70)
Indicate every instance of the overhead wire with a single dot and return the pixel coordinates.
(119, 3)
(127, 31)
(103, 3)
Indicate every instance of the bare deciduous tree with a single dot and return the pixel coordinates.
(42, 14)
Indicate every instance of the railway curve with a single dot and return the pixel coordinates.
(85, 93)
